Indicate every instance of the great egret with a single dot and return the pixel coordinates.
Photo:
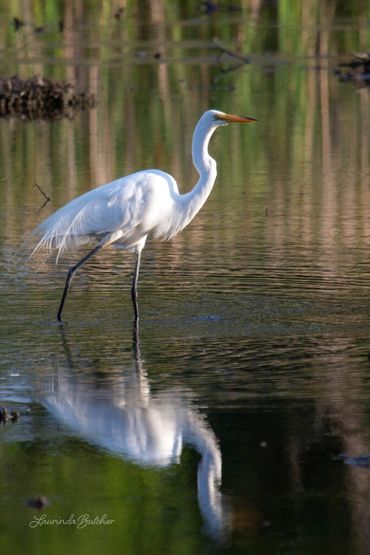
(129, 209)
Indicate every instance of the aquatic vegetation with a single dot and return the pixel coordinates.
(41, 98)
(357, 70)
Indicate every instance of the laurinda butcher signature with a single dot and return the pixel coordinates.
(80, 521)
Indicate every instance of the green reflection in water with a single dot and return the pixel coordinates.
(152, 511)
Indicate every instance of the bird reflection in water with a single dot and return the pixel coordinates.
(148, 429)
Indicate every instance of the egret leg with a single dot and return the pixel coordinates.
(71, 273)
(134, 286)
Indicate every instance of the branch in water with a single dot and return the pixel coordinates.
(231, 53)
(42, 192)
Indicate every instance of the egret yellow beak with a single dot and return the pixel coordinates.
(231, 118)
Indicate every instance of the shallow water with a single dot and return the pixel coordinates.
(236, 420)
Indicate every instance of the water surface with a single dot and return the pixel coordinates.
(236, 420)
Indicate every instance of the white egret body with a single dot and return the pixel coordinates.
(129, 209)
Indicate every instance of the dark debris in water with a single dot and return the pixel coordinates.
(356, 71)
(17, 23)
(210, 7)
(119, 12)
(362, 461)
(38, 502)
(5, 416)
(40, 98)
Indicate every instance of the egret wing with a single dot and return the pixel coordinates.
(100, 212)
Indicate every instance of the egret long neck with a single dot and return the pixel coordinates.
(205, 165)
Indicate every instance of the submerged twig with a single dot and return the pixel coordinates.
(243, 59)
(42, 206)
(42, 192)
(226, 65)
(47, 199)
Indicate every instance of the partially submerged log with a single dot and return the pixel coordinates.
(41, 98)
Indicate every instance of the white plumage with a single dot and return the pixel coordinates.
(125, 209)
(128, 210)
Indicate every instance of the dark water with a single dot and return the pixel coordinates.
(237, 419)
